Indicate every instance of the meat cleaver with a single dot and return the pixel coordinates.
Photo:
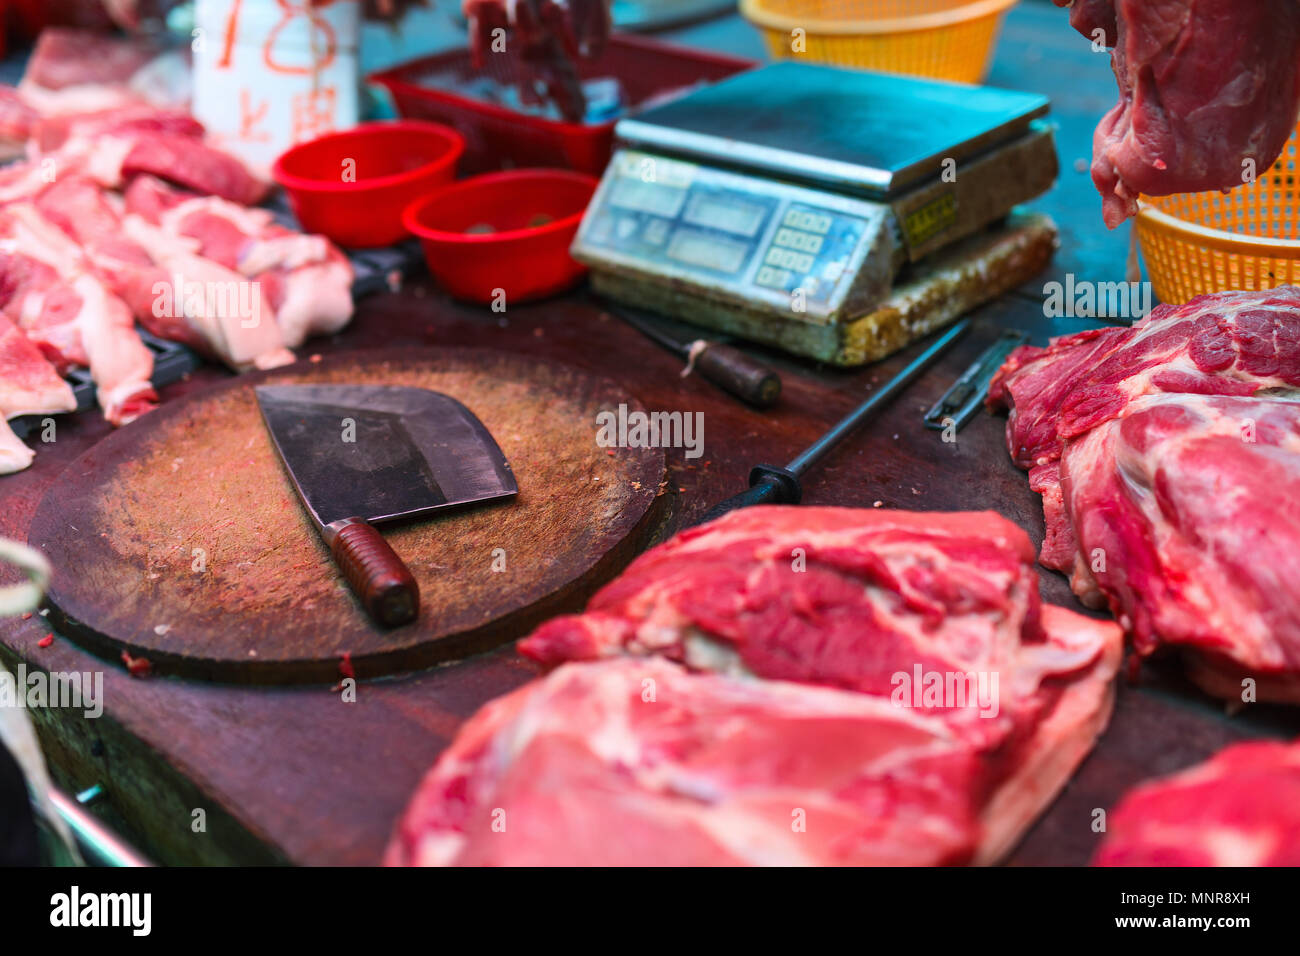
(360, 455)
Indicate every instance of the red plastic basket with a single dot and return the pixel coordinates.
(500, 138)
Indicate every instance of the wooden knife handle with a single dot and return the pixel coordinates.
(377, 575)
(742, 376)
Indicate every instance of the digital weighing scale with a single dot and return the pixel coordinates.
(834, 213)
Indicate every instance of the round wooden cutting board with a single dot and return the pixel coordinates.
(180, 539)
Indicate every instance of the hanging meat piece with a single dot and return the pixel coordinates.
(1209, 92)
(544, 37)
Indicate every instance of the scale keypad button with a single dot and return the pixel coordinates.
(789, 259)
(799, 241)
(773, 278)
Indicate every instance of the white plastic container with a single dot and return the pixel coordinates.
(272, 73)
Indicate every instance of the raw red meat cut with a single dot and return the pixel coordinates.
(1239, 808)
(831, 661)
(114, 148)
(1160, 451)
(28, 385)
(1205, 86)
(1182, 498)
(114, 108)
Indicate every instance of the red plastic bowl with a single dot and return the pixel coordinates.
(519, 256)
(394, 163)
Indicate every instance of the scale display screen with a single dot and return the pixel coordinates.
(728, 213)
(707, 251)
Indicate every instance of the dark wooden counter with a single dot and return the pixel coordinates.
(296, 775)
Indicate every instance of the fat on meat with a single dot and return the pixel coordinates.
(1239, 808)
(29, 385)
(763, 664)
(1165, 454)
(1209, 92)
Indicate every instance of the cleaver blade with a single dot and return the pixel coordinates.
(360, 455)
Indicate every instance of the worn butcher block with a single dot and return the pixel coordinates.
(180, 539)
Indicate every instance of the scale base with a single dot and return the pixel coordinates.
(926, 295)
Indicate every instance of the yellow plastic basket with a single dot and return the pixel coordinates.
(946, 39)
(1249, 238)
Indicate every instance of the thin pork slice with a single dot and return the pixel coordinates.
(305, 279)
(60, 303)
(1239, 808)
(29, 385)
(225, 308)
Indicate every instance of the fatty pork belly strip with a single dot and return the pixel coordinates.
(1205, 86)
(60, 304)
(306, 280)
(851, 598)
(1239, 808)
(159, 274)
(29, 385)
